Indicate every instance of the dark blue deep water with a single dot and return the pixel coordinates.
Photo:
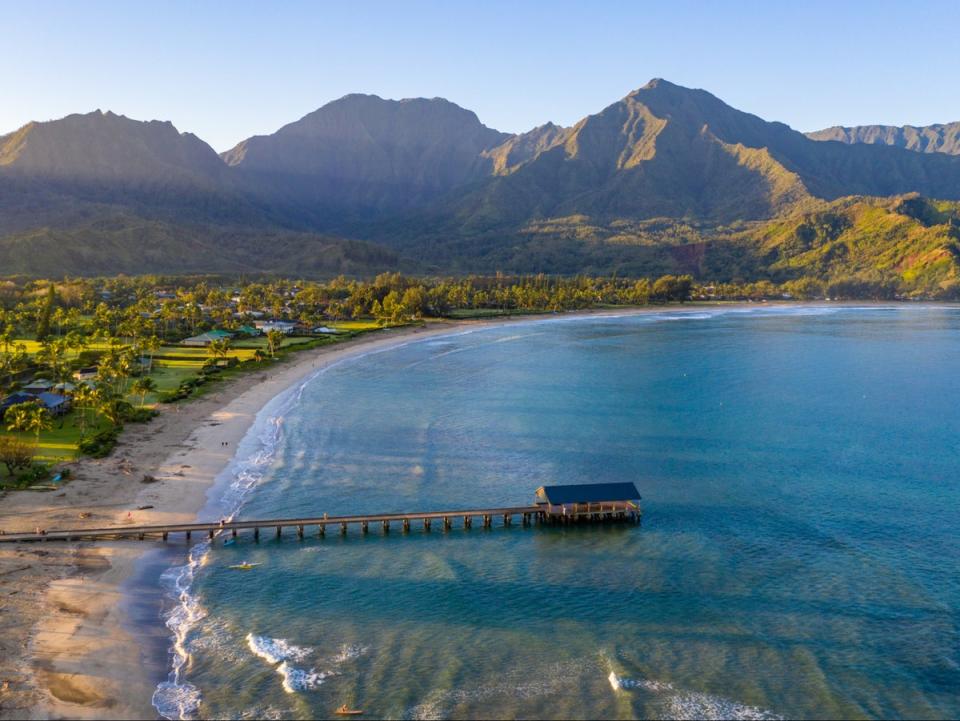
(798, 555)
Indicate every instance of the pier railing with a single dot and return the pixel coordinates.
(488, 517)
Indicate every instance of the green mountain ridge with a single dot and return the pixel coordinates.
(938, 138)
(666, 179)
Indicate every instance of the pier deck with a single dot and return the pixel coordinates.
(595, 513)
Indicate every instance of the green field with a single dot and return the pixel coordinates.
(172, 366)
(60, 442)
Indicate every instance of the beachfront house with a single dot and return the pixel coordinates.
(15, 399)
(205, 339)
(38, 385)
(584, 499)
(285, 327)
(55, 403)
(87, 373)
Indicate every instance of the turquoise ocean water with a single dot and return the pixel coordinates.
(798, 555)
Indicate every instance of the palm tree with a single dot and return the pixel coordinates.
(28, 417)
(151, 344)
(111, 407)
(83, 397)
(39, 420)
(274, 339)
(219, 348)
(18, 417)
(143, 385)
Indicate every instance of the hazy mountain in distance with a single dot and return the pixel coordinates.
(923, 139)
(363, 153)
(101, 193)
(106, 147)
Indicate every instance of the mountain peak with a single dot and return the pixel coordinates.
(659, 82)
(373, 151)
(103, 145)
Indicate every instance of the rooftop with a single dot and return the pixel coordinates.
(588, 493)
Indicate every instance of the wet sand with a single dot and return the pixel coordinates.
(66, 646)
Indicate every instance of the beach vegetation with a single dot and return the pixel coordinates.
(29, 417)
(113, 346)
(15, 454)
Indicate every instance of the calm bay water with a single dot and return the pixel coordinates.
(798, 555)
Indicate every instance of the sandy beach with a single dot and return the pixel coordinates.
(65, 645)
(65, 650)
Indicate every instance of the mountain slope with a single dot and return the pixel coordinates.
(668, 151)
(106, 147)
(910, 240)
(667, 179)
(362, 153)
(117, 242)
(924, 139)
(84, 167)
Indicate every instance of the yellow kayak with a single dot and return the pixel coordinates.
(244, 566)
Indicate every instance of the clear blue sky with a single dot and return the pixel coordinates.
(228, 70)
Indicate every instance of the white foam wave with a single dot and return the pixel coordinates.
(680, 704)
(176, 698)
(275, 650)
(697, 706)
(349, 652)
(619, 683)
(284, 653)
(299, 679)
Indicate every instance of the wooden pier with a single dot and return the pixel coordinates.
(301, 527)
(620, 509)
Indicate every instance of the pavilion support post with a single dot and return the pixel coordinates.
(426, 524)
(164, 535)
(343, 528)
(406, 525)
(386, 526)
(233, 532)
(188, 535)
(279, 531)
(256, 534)
(446, 523)
(300, 532)
(468, 522)
(210, 534)
(322, 530)
(364, 526)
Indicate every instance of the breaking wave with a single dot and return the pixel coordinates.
(679, 704)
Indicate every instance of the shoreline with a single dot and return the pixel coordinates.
(67, 648)
(75, 651)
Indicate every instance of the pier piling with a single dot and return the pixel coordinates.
(541, 513)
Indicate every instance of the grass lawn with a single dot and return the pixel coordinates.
(354, 325)
(34, 346)
(174, 364)
(60, 444)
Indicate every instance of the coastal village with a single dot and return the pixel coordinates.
(79, 359)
